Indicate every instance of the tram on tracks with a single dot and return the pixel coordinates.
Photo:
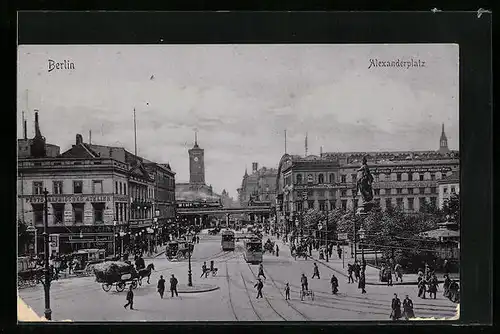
(227, 242)
(253, 250)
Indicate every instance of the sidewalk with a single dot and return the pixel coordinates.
(371, 273)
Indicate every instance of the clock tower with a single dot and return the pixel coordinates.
(196, 163)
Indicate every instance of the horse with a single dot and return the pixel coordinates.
(145, 272)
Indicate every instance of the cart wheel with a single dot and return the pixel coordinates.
(120, 286)
(106, 287)
(134, 284)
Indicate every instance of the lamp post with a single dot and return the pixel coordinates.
(326, 232)
(190, 276)
(48, 311)
(362, 237)
(114, 238)
(354, 222)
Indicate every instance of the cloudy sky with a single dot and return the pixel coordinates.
(241, 98)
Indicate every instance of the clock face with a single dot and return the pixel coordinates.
(196, 159)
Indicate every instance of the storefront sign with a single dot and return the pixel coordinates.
(69, 199)
(403, 169)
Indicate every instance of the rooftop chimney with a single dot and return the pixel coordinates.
(25, 128)
(38, 133)
(79, 139)
(254, 166)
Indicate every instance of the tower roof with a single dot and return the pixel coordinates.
(195, 139)
(443, 134)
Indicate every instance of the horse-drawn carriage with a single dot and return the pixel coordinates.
(86, 259)
(178, 250)
(300, 251)
(120, 274)
(28, 273)
(269, 246)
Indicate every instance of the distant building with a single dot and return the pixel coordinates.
(258, 188)
(403, 179)
(448, 187)
(35, 147)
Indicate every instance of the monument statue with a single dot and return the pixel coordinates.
(364, 187)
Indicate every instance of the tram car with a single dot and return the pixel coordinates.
(227, 242)
(253, 250)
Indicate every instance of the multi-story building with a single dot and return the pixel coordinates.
(94, 192)
(258, 187)
(448, 187)
(403, 179)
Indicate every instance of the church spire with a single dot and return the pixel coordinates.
(196, 138)
(443, 141)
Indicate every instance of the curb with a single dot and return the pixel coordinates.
(196, 289)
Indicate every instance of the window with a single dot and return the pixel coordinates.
(121, 190)
(375, 177)
(124, 189)
(299, 178)
(38, 214)
(37, 188)
(321, 178)
(452, 190)
(421, 176)
(58, 187)
(77, 187)
(410, 176)
(399, 202)
(332, 193)
(343, 178)
(410, 191)
(321, 193)
(382, 177)
(344, 204)
(343, 193)
(58, 212)
(98, 212)
(321, 205)
(398, 176)
(332, 205)
(97, 187)
(421, 190)
(377, 192)
(353, 177)
(310, 204)
(445, 190)
(332, 178)
(388, 202)
(300, 206)
(433, 176)
(433, 190)
(78, 212)
(310, 178)
(387, 191)
(310, 193)
(410, 204)
(116, 187)
(399, 191)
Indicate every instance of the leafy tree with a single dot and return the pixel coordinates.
(451, 208)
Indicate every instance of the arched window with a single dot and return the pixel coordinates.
(299, 178)
(332, 178)
(321, 178)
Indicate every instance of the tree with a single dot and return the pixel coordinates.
(451, 208)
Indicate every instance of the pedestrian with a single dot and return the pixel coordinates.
(389, 275)
(130, 299)
(446, 267)
(259, 285)
(362, 283)
(421, 287)
(335, 284)
(356, 270)
(310, 249)
(204, 271)
(197, 239)
(408, 308)
(398, 271)
(161, 286)
(396, 308)
(261, 271)
(321, 254)
(303, 282)
(315, 271)
(446, 286)
(433, 285)
(173, 286)
(339, 251)
(349, 271)
(277, 251)
(287, 291)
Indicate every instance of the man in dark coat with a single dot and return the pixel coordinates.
(161, 286)
(421, 287)
(433, 285)
(287, 291)
(349, 272)
(396, 308)
(303, 282)
(277, 251)
(362, 282)
(356, 270)
(259, 285)
(261, 271)
(130, 299)
(339, 251)
(446, 286)
(335, 284)
(315, 271)
(173, 286)
(408, 308)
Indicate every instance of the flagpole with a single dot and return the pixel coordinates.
(135, 135)
(285, 141)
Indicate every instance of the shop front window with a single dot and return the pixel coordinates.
(38, 214)
(58, 211)
(98, 212)
(78, 212)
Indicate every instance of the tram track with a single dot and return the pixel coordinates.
(250, 298)
(266, 299)
(229, 291)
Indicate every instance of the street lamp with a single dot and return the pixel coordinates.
(354, 193)
(46, 285)
(362, 237)
(190, 276)
(114, 238)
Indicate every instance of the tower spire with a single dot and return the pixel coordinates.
(443, 141)
(306, 144)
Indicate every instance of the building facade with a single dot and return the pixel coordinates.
(326, 182)
(448, 187)
(258, 187)
(163, 192)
